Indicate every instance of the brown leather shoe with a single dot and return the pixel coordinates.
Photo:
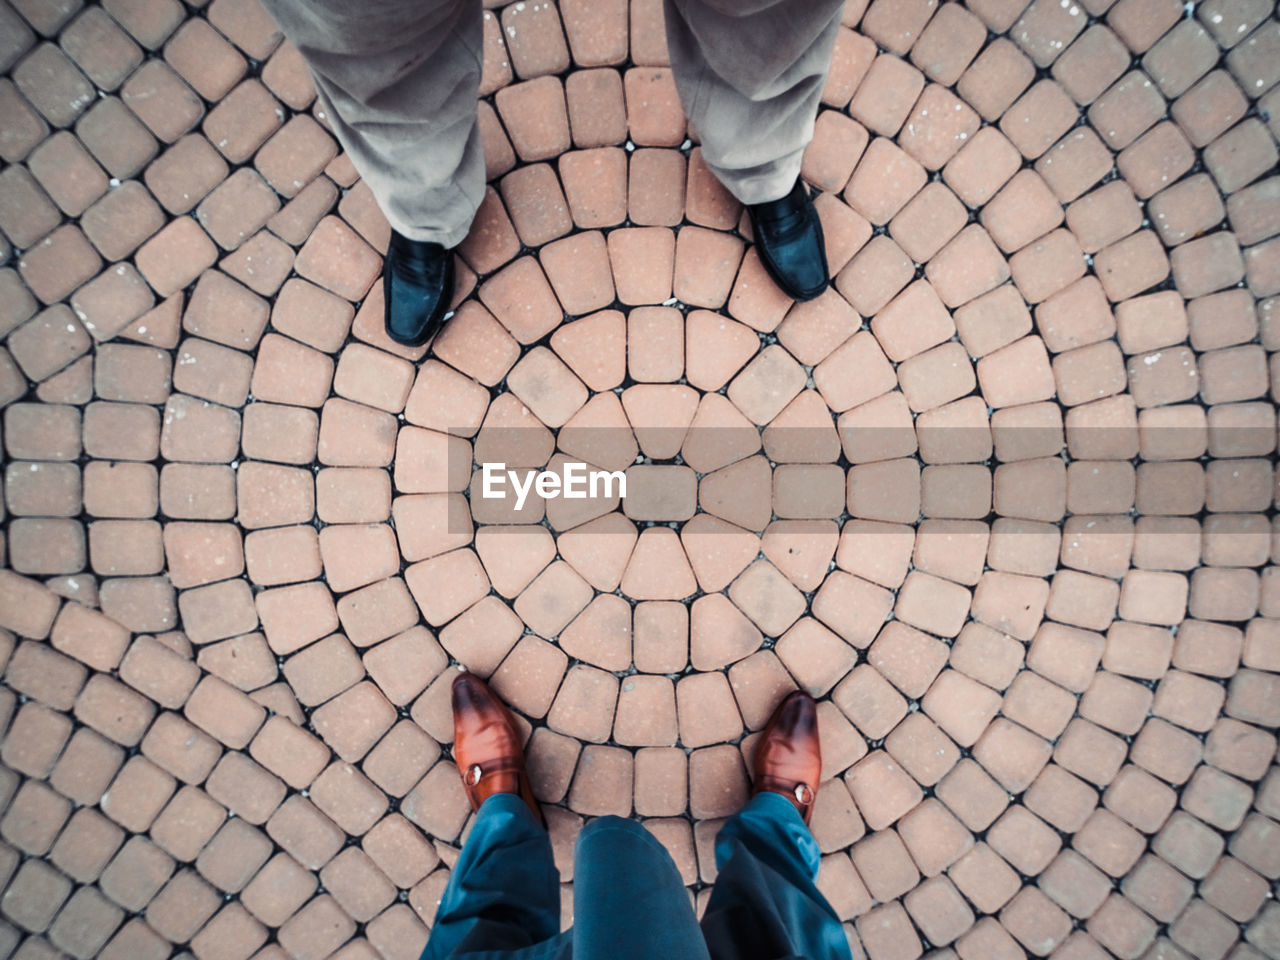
(788, 757)
(486, 745)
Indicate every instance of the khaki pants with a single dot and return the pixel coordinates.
(399, 78)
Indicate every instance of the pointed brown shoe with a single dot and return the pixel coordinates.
(788, 757)
(486, 745)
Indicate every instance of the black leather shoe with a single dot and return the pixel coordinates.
(789, 239)
(417, 282)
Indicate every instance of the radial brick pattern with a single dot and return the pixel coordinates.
(1002, 499)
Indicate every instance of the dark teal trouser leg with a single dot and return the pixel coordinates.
(503, 898)
(765, 904)
(629, 902)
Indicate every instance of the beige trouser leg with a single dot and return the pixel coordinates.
(398, 80)
(750, 74)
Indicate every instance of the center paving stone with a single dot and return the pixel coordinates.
(1001, 498)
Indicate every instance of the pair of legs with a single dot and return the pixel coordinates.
(398, 80)
(503, 898)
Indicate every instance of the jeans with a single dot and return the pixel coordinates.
(503, 899)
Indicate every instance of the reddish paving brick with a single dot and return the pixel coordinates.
(884, 180)
(831, 156)
(28, 213)
(924, 226)
(1045, 28)
(986, 879)
(35, 816)
(1104, 216)
(947, 44)
(1209, 108)
(1075, 163)
(603, 781)
(53, 84)
(58, 264)
(180, 749)
(1024, 840)
(1091, 63)
(882, 790)
(986, 655)
(967, 267)
(982, 166)
(706, 263)
(874, 275)
(1239, 155)
(995, 79)
(34, 895)
(1155, 159)
(536, 118)
(939, 125)
(35, 738)
(357, 884)
(68, 174)
(337, 259)
(318, 929)
(884, 97)
(1039, 117)
(224, 712)
(884, 863)
(87, 766)
(100, 48)
(277, 890)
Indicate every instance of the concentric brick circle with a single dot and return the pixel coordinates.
(1002, 498)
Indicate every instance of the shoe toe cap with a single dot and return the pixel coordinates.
(418, 286)
(414, 313)
(802, 265)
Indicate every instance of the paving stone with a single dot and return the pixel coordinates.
(1090, 64)
(34, 895)
(138, 872)
(986, 879)
(884, 180)
(947, 44)
(1209, 108)
(938, 126)
(1039, 117)
(1187, 209)
(63, 167)
(830, 158)
(603, 781)
(882, 791)
(995, 79)
(319, 927)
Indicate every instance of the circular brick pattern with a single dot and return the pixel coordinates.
(1001, 498)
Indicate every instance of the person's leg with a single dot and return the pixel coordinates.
(398, 81)
(750, 74)
(504, 893)
(628, 900)
(503, 898)
(765, 902)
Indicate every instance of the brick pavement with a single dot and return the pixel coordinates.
(1002, 499)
